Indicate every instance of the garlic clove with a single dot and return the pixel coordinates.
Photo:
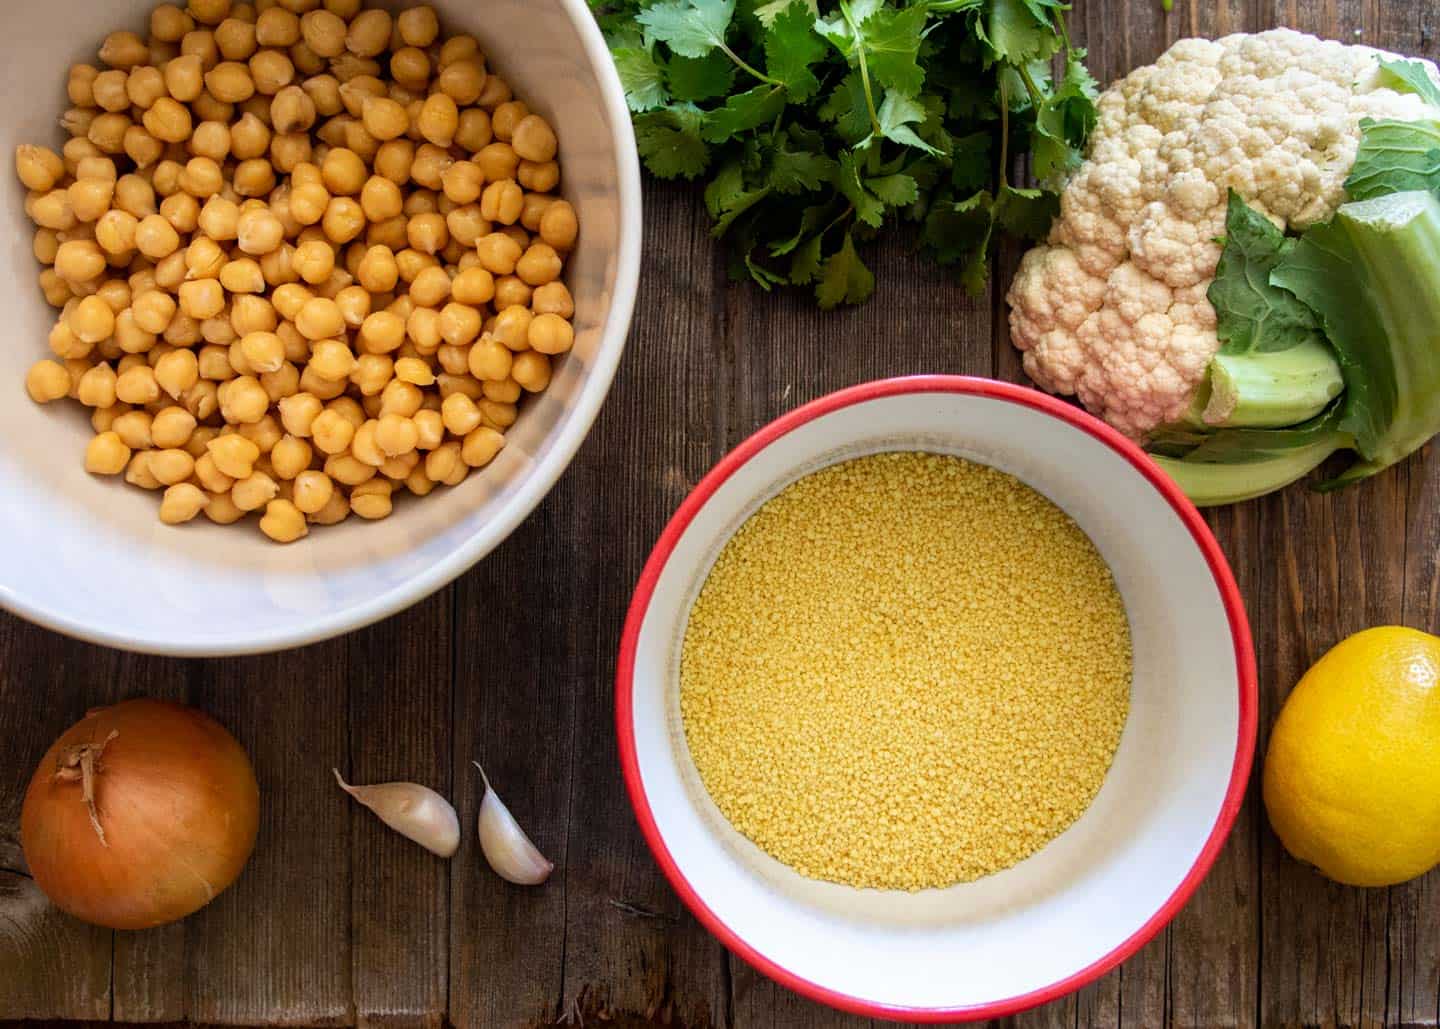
(412, 810)
(507, 848)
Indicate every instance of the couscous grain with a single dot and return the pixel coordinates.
(905, 671)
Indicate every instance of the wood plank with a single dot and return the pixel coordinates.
(399, 730)
(275, 947)
(630, 948)
(538, 626)
(48, 684)
(1413, 951)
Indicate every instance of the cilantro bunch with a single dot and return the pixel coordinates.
(815, 122)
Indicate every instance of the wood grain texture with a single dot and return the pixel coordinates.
(399, 728)
(340, 922)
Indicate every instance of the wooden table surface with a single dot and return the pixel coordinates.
(338, 921)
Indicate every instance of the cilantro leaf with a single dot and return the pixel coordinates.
(1026, 213)
(891, 39)
(958, 232)
(972, 164)
(1015, 34)
(798, 171)
(894, 190)
(848, 109)
(690, 28)
(897, 113)
(845, 278)
(742, 111)
(768, 12)
(641, 76)
(869, 209)
(791, 47)
(669, 141)
(700, 78)
(805, 265)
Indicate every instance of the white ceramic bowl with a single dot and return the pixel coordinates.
(1092, 896)
(88, 556)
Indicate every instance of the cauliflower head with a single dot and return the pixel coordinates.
(1113, 306)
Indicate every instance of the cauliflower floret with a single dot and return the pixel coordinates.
(1113, 308)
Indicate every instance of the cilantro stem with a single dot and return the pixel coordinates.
(864, 71)
(1004, 132)
(744, 66)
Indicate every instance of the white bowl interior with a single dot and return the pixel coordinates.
(1092, 888)
(211, 589)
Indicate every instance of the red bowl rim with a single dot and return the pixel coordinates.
(1079, 419)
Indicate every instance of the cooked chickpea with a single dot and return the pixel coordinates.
(537, 176)
(512, 327)
(497, 161)
(258, 232)
(243, 399)
(106, 454)
(91, 320)
(553, 298)
(38, 167)
(172, 427)
(263, 351)
(538, 265)
(312, 490)
(428, 168)
(559, 226)
(271, 71)
(182, 502)
(314, 261)
(97, 387)
(254, 178)
(371, 500)
(550, 334)
(320, 319)
(431, 287)
(344, 220)
(510, 291)
(532, 137)
(459, 323)
(531, 369)
(439, 119)
(137, 385)
(498, 253)
(444, 464)
(133, 428)
(254, 491)
(490, 360)
(46, 381)
(250, 137)
(298, 413)
(156, 238)
(79, 260)
(230, 82)
(343, 172)
(233, 455)
(242, 276)
(202, 298)
(418, 26)
(283, 522)
(176, 372)
(462, 80)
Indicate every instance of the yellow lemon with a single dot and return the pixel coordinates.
(1352, 778)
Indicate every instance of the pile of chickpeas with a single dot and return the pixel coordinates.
(305, 255)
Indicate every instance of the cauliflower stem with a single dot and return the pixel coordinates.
(1372, 276)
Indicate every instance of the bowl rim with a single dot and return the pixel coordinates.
(564, 444)
(1076, 418)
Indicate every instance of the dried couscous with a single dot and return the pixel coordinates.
(906, 670)
(309, 229)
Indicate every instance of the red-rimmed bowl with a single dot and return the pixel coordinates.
(1095, 894)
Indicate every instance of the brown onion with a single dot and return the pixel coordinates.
(141, 814)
